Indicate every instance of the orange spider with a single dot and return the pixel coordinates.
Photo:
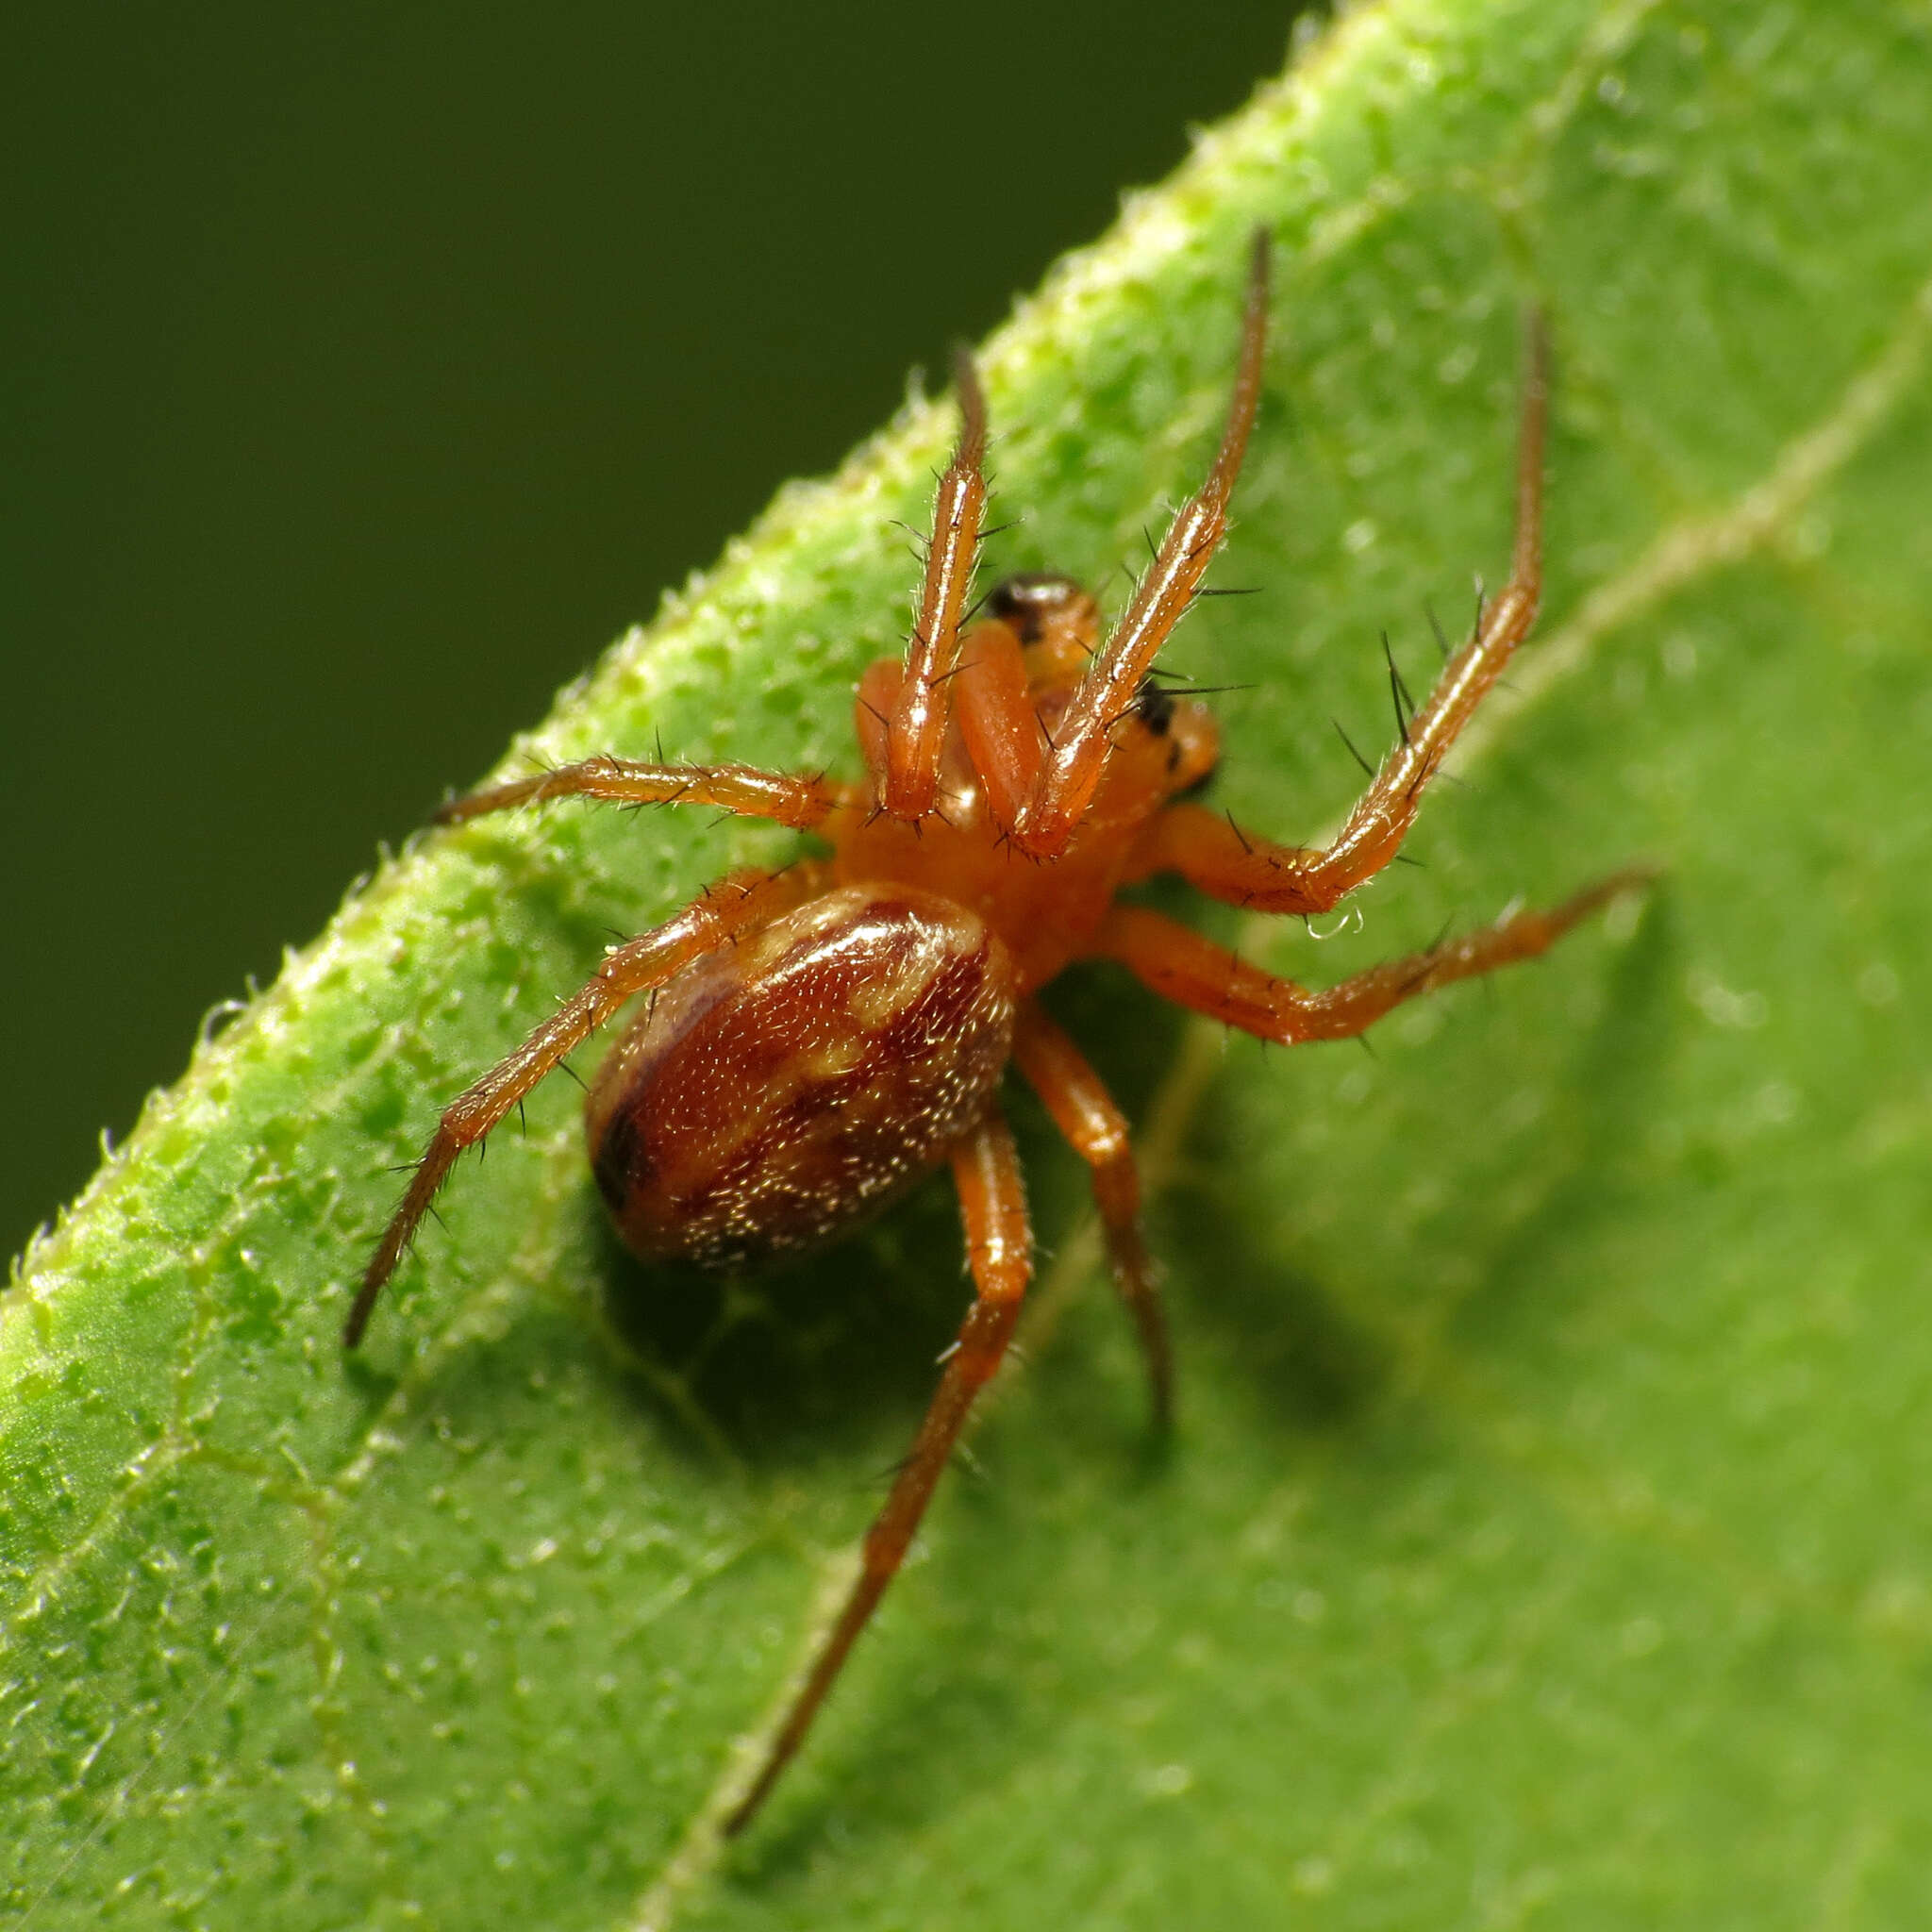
(820, 1038)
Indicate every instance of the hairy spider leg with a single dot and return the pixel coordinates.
(733, 905)
(1178, 964)
(908, 776)
(1084, 1111)
(800, 800)
(1065, 781)
(999, 1247)
(1245, 870)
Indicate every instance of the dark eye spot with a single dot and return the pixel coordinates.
(1154, 705)
(1025, 601)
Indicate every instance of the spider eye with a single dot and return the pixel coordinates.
(1154, 705)
(1023, 603)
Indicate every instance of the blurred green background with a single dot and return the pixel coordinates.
(367, 370)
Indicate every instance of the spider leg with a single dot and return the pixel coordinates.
(999, 1244)
(907, 777)
(1084, 1111)
(1248, 871)
(1106, 692)
(1181, 965)
(798, 799)
(735, 903)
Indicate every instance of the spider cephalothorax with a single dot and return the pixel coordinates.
(821, 1037)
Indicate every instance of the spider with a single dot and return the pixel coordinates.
(820, 1038)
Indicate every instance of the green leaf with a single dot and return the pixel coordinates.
(1545, 1533)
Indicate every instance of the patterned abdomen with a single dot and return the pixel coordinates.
(781, 1090)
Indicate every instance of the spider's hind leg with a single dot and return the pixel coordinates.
(999, 1245)
(1084, 1111)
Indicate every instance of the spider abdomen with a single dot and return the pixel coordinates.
(776, 1092)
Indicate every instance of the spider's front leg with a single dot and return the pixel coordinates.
(735, 904)
(800, 800)
(1064, 783)
(999, 1245)
(906, 764)
(1243, 868)
(1178, 964)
